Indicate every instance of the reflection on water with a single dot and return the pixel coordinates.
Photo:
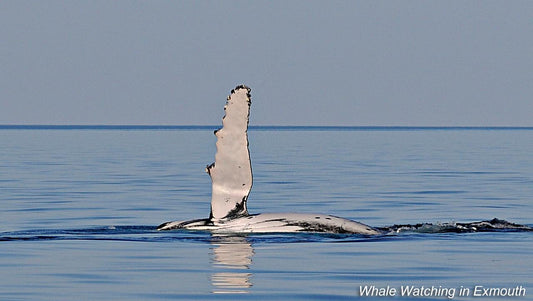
(232, 257)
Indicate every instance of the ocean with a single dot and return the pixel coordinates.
(80, 205)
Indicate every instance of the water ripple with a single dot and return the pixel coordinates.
(150, 234)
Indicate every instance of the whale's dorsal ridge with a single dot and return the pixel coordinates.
(231, 174)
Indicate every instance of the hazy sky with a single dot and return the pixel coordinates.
(457, 63)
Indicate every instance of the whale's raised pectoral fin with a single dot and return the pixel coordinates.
(231, 174)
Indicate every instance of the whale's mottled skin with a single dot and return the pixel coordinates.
(275, 223)
(231, 177)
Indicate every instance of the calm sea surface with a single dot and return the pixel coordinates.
(79, 207)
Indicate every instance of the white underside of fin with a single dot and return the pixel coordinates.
(231, 174)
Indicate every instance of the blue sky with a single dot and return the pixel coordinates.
(406, 63)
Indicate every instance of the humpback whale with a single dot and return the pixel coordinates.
(231, 177)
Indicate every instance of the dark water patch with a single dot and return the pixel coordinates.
(407, 203)
(281, 182)
(458, 173)
(436, 192)
(142, 209)
(493, 206)
(85, 278)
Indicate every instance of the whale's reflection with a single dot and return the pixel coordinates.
(232, 257)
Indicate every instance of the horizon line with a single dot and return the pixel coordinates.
(251, 127)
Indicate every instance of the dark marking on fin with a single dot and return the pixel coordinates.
(209, 167)
(238, 211)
